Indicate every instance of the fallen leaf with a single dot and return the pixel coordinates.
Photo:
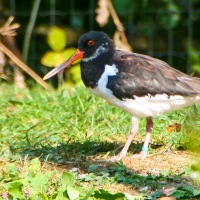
(168, 191)
(166, 198)
(176, 127)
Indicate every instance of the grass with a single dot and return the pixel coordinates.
(51, 142)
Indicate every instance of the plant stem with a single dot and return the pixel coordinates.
(29, 29)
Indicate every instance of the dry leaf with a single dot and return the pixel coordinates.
(8, 29)
(104, 10)
(167, 198)
(169, 191)
(176, 127)
(103, 13)
(120, 44)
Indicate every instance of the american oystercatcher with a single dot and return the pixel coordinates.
(141, 85)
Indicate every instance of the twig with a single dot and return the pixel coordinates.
(115, 17)
(22, 65)
(117, 22)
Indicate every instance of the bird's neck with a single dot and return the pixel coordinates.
(92, 70)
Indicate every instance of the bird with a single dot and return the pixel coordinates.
(141, 85)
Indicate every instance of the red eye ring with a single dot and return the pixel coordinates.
(90, 42)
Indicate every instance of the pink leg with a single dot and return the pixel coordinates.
(142, 155)
(134, 130)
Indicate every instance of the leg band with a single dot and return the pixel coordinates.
(145, 149)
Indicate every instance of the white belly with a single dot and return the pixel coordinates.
(146, 106)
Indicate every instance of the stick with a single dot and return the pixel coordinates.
(23, 66)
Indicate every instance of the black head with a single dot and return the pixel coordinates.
(95, 43)
(92, 45)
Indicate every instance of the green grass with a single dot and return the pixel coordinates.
(69, 126)
(38, 119)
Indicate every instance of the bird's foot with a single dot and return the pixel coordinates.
(142, 155)
(117, 157)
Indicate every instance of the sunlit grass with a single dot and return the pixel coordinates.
(36, 119)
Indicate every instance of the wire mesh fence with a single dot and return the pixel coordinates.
(163, 29)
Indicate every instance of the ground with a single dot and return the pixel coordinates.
(172, 162)
(47, 135)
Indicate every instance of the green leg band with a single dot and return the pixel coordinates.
(145, 149)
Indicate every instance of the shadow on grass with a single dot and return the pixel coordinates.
(75, 151)
(85, 157)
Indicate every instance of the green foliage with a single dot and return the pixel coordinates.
(195, 58)
(124, 7)
(102, 194)
(51, 58)
(119, 173)
(32, 182)
(57, 41)
(191, 129)
(169, 15)
(67, 179)
(192, 138)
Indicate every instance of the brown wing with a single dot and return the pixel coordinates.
(142, 75)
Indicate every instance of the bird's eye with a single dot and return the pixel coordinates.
(90, 42)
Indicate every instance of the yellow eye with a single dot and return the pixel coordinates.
(90, 42)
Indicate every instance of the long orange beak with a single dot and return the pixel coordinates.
(77, 55)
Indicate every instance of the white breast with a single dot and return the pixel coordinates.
(101, 89)
(141, 106)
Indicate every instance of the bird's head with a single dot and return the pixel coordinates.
(90, 46)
